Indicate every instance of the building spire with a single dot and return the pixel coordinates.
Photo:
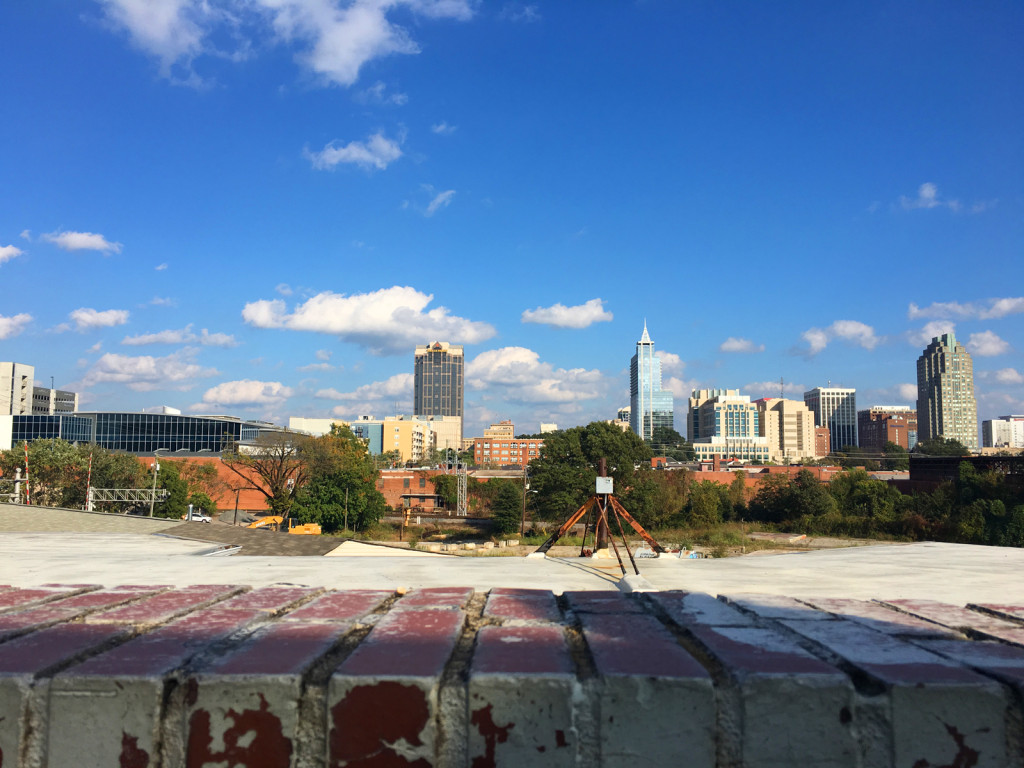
(645, 339)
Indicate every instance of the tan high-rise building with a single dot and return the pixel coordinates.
(789, 427)
(439, 387)
(697, 398)
(945, 392)
(16, 389)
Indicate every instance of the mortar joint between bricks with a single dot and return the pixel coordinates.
(453, 694)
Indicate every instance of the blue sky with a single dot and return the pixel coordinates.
(259, 207)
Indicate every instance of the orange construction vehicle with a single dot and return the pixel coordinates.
(287, 524)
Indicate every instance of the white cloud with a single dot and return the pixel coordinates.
(561, 316)
(852, 331)
(247, 392)
(1002, 308)
(742, 346)
(759, 389)
(932, 330)
(987, 344)
(26, 234)
(316, 367)
(928, 197)
(389, 321)
(375, 94)
(399, 386)
(441, 200)
(907, 391)
(13, 325)
(519, 12)
(181, 336)
(159, 301)
(8, 252)
(145, 373)
(334, 38)
(82, 241)
(670, 362)
(443, 129)
(376, 152)
(987, 310)
(86, 318)
(95, 348)
(170, 30)
(160, 267)
(323, 355)
(284, 289)
(521, 377)
(1008, 376)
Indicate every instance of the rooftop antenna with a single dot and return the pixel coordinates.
(782, 389)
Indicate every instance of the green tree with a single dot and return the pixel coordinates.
(941, 446)
(564, 474)
(447, 489)
(342, 481)
(665, 441)
(277, 465)
(704, 505)
(896, 457)
(738, 495)
(507, 507)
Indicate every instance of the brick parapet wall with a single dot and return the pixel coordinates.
(141, 676)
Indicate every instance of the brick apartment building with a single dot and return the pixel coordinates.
(499, 447)
(883, 424)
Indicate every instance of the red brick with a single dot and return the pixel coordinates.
(880, 618)
(930, 697)
(522, 605)
(281, 649)
(437, 598)
(163, 607)
(47, 614)
(653, 699)
(1009, 611)
(983, 624)
(339, 606)
(521, 692)
(383, 701)
(1005, 662)
(33, 654)
(776, 607)
(700, 608)
(269, 599)
(168, 647)
(15, 599)
(521, 650)
(407, 644)
(602, 602)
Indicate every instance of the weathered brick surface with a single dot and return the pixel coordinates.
(655, 702)
(17, 599)
(881, 618)
(119, 696)
(452, 598)
(339, 606)
(963, 619)
(255, 690)
(938, 708)
(1014, 612)
(287, 676)
(163, 606)
(602, 602)
(16, 623)
(521, 689)
(699, 608)
(526, 605)
(382, 704)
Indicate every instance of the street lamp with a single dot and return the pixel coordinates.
(155, 466)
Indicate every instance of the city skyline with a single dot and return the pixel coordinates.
(250, 208)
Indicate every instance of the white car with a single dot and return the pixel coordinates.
(197, 517)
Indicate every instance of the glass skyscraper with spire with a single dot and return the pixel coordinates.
(650, 405)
